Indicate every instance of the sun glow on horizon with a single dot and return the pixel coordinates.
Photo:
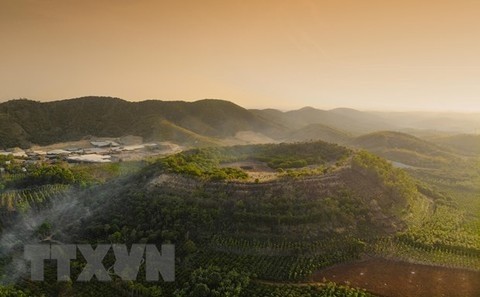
(370, 55)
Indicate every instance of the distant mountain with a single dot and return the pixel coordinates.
(426, 134)
(278, 117)
(211, 122)
(464, 143)
(453, 122)
(404, 148)
(318, 132)
(350, 120)
(26, 122)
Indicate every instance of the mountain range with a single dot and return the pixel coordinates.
(210, 122)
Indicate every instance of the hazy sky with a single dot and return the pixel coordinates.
(384, 55)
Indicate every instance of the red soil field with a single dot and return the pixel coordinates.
(401, 279)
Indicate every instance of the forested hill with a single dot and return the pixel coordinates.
(25, 122)
(208, 122)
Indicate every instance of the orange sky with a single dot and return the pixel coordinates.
(384, 55)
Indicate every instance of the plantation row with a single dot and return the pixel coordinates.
(201, 282)
(446, 228)
(285, 290)
(24, 199)
(90, 289)
(17, 175)
(460, 249)
(93, 288)
(136, 289)
(400, 249)
(278, 268)
(331, 242)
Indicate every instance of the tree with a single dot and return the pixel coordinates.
(51, 174)
(214, 282)
(9, 291)
(189, 247)
(45, 229)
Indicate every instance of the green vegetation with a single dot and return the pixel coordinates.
(23, 200)
(30, 188)
(402, 189)
(17, 174)
(296, 155)
(398, 248)
(25, 122)
(202, 163)
(448, 167)
(50, 174)
(281, 231)
(462, 143)
(460, 181)
(405, 148)
(10, 291)
(445, 228)
(302, 172)
(244, 238)
(319, 132)
(207, 163)
(443, 231)
(282, 260)
(328, 289)
(212, 281)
